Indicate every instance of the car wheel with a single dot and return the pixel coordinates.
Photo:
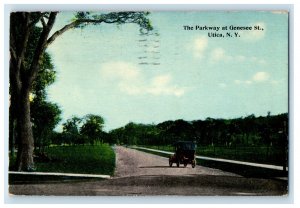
(193, 163)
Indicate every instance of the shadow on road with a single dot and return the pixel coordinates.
(188, 185)
(47, 179)
(193, 184)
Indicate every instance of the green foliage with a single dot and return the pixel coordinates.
(82, 15)
(45, 116)
(71, 125)
(70, 134)
(92, 128)
(135, 134)
(96, 159)
(46, 74)
(86, 130)
(139, 18)
(45, 77)
(257, 139)
(253, 139)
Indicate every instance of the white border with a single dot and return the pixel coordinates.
(203, 200)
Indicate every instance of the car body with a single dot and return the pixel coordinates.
(184, 154)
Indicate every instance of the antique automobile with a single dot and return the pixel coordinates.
(184, 154)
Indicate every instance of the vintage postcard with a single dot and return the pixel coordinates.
(143, 103)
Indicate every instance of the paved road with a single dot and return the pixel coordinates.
(132, 162)
(139, 173)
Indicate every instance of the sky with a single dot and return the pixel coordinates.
(173, 73)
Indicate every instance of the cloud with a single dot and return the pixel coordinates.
(258, 77)
(219, 54)
(254, 35)
(120, 70)
(199, 46)
(162, 85)
(261, 76)
(130, 80)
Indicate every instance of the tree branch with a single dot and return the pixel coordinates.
(40, 48)
(23, 44)
(110, 18)
(18, 44)
(36, 19)
(61, 31)
(43, 22)
(70, 26)
(14, 73)
(13, 53)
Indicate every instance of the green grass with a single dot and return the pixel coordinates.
(98, 159)
(257, 154)
(89, 159)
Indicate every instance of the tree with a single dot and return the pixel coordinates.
(117, 135)
(45, 116)
(24, 69)
(45, 77)
(92, 128)
(71, 130)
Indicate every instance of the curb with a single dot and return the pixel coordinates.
(61, 174)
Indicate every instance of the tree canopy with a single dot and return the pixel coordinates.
(92, 128)
(30, 35)
(248, 131)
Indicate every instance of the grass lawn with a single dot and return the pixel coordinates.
(97, 159)
(89, 159)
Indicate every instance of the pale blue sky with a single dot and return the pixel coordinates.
(98, 69)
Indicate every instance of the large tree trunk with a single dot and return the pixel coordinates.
(22, 77)
(25, 136)
(11, 132)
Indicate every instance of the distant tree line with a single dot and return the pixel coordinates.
(243, 137)
(270, 130)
